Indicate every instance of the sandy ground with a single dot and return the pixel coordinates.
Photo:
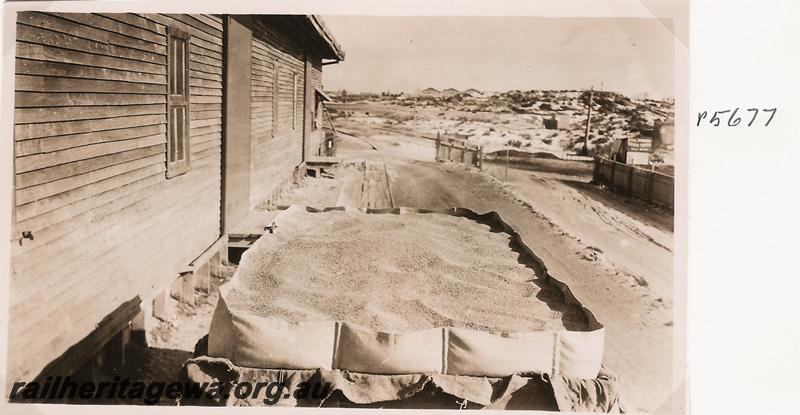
(172, 343)
(639, 320)
(636, 247)
(318, 192)
(398, 273)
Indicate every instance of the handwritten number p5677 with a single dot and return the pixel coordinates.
(733, 119)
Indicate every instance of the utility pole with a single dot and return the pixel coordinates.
(506, 163)
(588, 123)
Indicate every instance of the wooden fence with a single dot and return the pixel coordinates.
(458, 151)
(645, 184)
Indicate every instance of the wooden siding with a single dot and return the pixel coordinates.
(276, 145)
(315, 145)
(90, 184)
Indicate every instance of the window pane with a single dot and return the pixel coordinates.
(173, 134)
(172, 57)
(180, 60)
(180, 121)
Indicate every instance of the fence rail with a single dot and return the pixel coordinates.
(645, 184)
(458, 151)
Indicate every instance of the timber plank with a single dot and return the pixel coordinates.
(206, 99)
(58, 223)
(136, 20)
(50, 144)
(195, 57)
(204, 115)
(41, 36)
(28, 131)
(51, 54)
(25, 99)
(69, 70)
(190, 20)
(43, 225)
(53, 114)
(168, 21)
(62, 171)
(205, 75)
(29, 210)
(54, 84)
(199, 82)
(65, 184)
(201, 67)
(213, 47)
(116, 220)
(209, 20)
(63, 297)
(204, 123)
(114, 26)
(196, 90)
(58, 24)
(40, 161)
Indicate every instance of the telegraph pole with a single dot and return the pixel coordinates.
(588, 123)
(506, 162)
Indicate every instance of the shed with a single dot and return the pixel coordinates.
(141, 140)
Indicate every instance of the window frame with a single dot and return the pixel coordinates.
(182, 100)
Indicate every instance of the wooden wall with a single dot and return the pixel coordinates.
(313, 80)
(90, 171)
(277, 145)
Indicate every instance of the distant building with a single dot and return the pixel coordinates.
(632, 150)
(473, 92)
(450, 91)
(430, 92)
(666, 133)
(558, 121)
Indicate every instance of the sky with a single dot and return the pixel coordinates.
(634, 56)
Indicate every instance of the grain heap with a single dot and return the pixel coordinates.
(397, 273)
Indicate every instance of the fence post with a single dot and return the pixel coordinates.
(630, 179)
(613, 174)
(437, 146)
(650, 182)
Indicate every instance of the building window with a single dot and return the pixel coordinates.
(294, 102)
(177, 102)
(275, 97)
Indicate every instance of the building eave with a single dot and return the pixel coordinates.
(333, 49)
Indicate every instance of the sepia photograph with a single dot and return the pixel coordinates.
(345, 210)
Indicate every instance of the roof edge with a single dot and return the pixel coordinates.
(325, 33)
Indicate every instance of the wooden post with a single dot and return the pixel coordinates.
(163, 306)
(613, 172)
(438, 143)
(506, 165)
(588, 123)
(203, 278)
(631, 174)
(650, 183)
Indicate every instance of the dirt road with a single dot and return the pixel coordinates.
(638, 248)
(638, 316)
